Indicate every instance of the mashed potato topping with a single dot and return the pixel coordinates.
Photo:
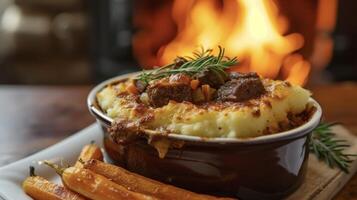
(266, 114)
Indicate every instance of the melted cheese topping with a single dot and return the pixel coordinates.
(251, 118)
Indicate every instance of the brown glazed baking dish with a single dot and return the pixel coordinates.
(265, 167)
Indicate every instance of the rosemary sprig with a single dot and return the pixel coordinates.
(190, 65)
(327, 148)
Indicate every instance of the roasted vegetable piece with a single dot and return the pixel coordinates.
(140, 85)
(95, 186)
(89, 151)
(194, 84)
(41, 189)
(206, 91)
(141, 184)
(212, 78)
(131, 88)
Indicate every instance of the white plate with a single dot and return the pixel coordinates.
(12, 175)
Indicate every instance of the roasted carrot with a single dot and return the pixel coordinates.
(206, 92)
(41, 189)
(89, 151)
(131, 88)
(194, 84)
(137, 183)
(95, 186)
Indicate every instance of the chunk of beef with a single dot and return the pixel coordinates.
(237, 75)
(212, 78)
(242, 88)
(179, 61)
(161, 92)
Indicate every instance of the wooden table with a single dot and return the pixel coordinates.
(34, 117)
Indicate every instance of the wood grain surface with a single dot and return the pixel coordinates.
(322, 182)
(35, 117)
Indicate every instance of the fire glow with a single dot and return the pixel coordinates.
(252, 30)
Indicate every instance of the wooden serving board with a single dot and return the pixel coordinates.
(322, 182)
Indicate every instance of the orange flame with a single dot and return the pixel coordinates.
(252, 30)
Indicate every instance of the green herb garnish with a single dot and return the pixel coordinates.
(200, 61)
(327, 148)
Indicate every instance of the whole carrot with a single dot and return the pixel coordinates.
(39, 188)
(95, 186)
(138, 183)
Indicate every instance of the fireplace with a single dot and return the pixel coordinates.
(78, 41)
(279, 39)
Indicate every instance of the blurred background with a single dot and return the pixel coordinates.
(66, 42)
